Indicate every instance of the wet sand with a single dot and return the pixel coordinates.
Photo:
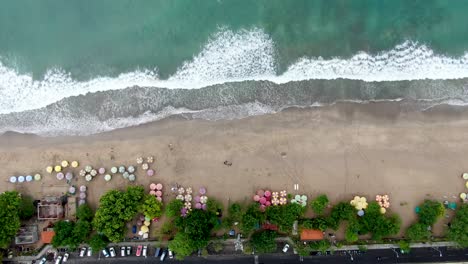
(341, 150)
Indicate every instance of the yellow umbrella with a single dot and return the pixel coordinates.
(144, 229)
(74, 164)
(64, 163)
(58, 168)
(49, 169)
(463, 196)
(466, 184)
(383, 210)
(37, 177)
(147, 223)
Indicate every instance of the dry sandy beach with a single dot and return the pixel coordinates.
(341, 150)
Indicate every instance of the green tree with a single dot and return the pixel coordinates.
(377, 224)
(182, 245)
(251, 219)
(81, 231)
(405, 246)
(27, 208)
(341, 212)
(264, 241)
(430, 211)
(214, 206)
(320, 223)
(198, 225)
(9, 217)
(458, 231)
(64, 235)
(98, 242)
(321, 245)
(84, 212)
(235, 212)
(418, 232)
(173, 208)
(319, 204)
(352, 231)
(151, 207)
(284, 216)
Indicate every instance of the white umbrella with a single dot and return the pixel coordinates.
(82, 173)
(37, 177)
(125, 175)
(60, 176)
(88, 168)
(107, 177)
(114, 170)
(20, 178)
(88, 177)
(81, 202)
(29, 178)
(82, 188)
(93, 172)
(131, 169)
(82, 195)
(121, 169)
(72, 190)
(131, 177)
(69, 176)
(13, 179)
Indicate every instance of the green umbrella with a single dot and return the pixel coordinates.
(417, 209)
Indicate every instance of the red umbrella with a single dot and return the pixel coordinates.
(158, 193)
(260, 192)
(256, 198)
(263, 200)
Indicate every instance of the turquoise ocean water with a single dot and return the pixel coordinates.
(81, 67)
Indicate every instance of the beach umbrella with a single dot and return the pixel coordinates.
(267, 203)
(159, 194)
(198, 205)
(131, 177)
(144, 229)
(203, 199)
(145, 166)
(275, 201)
(267, 193)
(452, 205)
(360, 213)
(64, 163)
(275, 194)
(188, 205)
(49, 169)
(150, 172)
(145, 236)
(188, 197)
(304, 198)
(142, 218)
(180, 197)
(139, 160)
(125, 175)
(82, 188)
(188, 190)
(121, 169)
(72, 190)
(256, 198)
(82, 195)
(383, 210)
(147, 218)
(159, 186)
(183, 211)
(13, 179)
(196, 199)
(150, 159)
(260, 192)
(88, 177)
(29, 178)
(60, 176)
(159, 198)
(58, 168)
(417, 209)
(466, 184)
(114, 170)
(74, 164)
(88, 168)
(262, 200)
(203, 207)
(153, 186)
(37, 177)
(146, 223)
(69, 176)
(82, 173)
(107, 177)
(81, 202)
(202, 190)
(293, 201)
(131, 169)
(152, 192)
(465, 176)
(93, 172)
(102, 170)
(181, 190)
(463, 196)
(283, 193)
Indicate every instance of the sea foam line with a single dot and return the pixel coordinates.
(232, 56)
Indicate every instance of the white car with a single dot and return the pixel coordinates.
(171, 255)
(90, 252)
(58, 260)
(82, 252)
(43, 260)
(65, 257)
(285, 248)
(122, 251)
(145, 249)
(105, 253)
(112, 252)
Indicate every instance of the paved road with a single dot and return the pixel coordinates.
(371, 256)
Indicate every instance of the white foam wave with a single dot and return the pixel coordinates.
(235, 56)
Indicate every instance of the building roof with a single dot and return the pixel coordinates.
(311, 234)
(46, 236)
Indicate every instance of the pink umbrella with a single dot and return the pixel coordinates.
(152, 192)
(69, 176)
(267, 193)
(159, 198)
(142, 218)
(81, 202)
(256, 198)
(82, 188)
(158, 193)
(102, 170)
(198, 205)
(268, 203)
(60, 176)
(263, 200)
(82, 195)
(203, 207)
(262, 208)
(159, 186)
(260, 192)
(139, 223)
(153, 186)
(150, 172)
(202, 190)
(197, 199)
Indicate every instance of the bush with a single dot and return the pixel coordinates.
(98, 242)
(84, 212)
(70, 234)
(251, 219)
(10, 203)
(418, 232)
(319, 204)
(404, 246)
(151, 207)
(173, 208)
(235, 212)
(264, 241)
(284, 216)
(27, 208)
(340, 212)
(458, 231)
(217, 246)
(352, 231)
(182, 246)
(322, 245)
(320, 223)
(377, 224)
(430, 211)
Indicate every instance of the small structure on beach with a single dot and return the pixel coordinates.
(27, 235)
(311, 235)
(47, 235)
(50, 208)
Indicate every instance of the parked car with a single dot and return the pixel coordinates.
(163, 255)
(122, 251)
(112, 252)
(145, 249)
(43, 260)
(82, 252)
(90, 252)
(65, 257)
(129, 250)
(105, 253)
(157, 251)
(171, 255)
(58, 260)
(139, 249)
(285, 248)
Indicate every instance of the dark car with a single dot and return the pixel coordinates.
(157, 252)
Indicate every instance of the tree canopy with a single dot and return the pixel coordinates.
(27, 208)
(9, 217)
(458, 231)
(264, 241)
(98, 242)
(84, 212)
(151, 207)
(173, 208)
(70, 234)
(418, 232)
(378, 224)
(182, 245)
(340, 212)
(319, 204)
(430, 211)
(285, 215)
(251, 219)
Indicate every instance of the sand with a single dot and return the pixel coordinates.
(341, 150)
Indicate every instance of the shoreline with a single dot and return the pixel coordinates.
(340, 150)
